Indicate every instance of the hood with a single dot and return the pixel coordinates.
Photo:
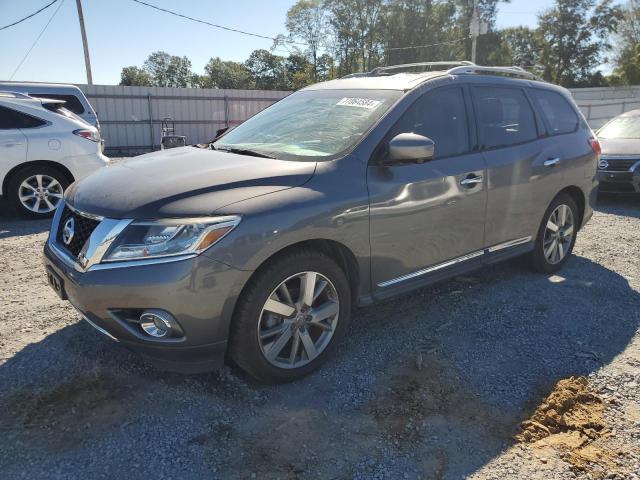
(181, 182)
(620, 146)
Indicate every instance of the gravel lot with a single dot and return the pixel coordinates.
(432, 385)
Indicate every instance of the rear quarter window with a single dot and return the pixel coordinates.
(11, 119)
(72, 102)
(557, 113)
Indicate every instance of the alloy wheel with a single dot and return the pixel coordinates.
(298, 320)
(558, 234)
(40, 193)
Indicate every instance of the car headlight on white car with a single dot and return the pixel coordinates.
(168, 237)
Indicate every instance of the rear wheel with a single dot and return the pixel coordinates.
(37, 191)
(290, 317)
(556, 235)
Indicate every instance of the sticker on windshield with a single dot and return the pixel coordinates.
(367, 103)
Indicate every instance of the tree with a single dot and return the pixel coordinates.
(168, 70)
(227, 74)
(307, 21)
(135, 76)
(267, 70)
(523, 45)
(574, 35)
(627, 41)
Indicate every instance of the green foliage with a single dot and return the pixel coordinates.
(326, 39)
(135, 77)
(227, 74)
(574, 35)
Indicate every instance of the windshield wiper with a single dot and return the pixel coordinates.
(242, 151)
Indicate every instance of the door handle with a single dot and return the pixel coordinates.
(471, 181)
(9, 143)
(551, 162)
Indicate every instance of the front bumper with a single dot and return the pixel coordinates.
(199, 292)
(619, 182)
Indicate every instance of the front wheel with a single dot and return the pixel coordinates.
(556, 235)
(290, 317)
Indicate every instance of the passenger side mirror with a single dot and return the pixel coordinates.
(409, 148)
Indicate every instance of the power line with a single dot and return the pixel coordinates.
(29, 16)
(36, 41)
(229, 29)
(430, 45)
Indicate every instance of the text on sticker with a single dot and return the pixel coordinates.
(367, 103)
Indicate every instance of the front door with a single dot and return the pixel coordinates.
(426, 218)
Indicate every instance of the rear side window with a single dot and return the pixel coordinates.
(10, 119)
(556, 111)
(441, 116)
(505, 116)
(72, 102)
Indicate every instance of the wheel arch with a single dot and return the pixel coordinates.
(337, 251)
(578, 196)
(45, 163)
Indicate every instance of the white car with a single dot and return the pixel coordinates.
(43, 149)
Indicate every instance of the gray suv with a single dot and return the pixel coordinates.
(256, 248)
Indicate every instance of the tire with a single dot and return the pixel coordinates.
(544, 258)
(252, 339)
(24, 183)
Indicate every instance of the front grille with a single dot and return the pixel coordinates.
(618, 187)
(620, 164)
(83, 227)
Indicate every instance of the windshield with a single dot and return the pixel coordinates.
(621, 127)
(311, 125)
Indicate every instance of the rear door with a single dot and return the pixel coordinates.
(425, 218)
(13, 143)
(522, 162)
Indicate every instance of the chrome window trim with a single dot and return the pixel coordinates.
(433, 268)
(510, 243)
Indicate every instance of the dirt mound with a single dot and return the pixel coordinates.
(570, 420)
(571, 407)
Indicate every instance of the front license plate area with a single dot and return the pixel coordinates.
(56, 283)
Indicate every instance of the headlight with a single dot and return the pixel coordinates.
(168, 237)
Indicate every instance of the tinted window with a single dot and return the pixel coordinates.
(505, 116)
(72, 102)
(441, 116)
(10, 119)
(556, 111)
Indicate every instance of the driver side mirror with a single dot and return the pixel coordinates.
(409, 148)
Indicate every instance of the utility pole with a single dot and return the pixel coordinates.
(85, 45)
(474, 30)
(477, 27)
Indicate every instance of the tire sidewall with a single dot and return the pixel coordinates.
(540, 261)
(20, 176)
(253, 359)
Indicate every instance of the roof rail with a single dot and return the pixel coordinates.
(479, 69)
(10, 94)
(405, 66)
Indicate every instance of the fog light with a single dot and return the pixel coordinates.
(156, 323)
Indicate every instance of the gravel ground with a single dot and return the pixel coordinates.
(432, 385)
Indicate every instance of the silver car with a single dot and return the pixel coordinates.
(619, 165)
(345, 193)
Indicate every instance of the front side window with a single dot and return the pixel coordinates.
(441, 116)
(621, 127)
(11, 119)
(556, 111)
(310, 125)
(505, 116)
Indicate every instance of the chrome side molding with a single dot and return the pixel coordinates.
(457, 260)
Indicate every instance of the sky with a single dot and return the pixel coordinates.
(122, 33)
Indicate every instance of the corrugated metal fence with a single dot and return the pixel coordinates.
(131, 117)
